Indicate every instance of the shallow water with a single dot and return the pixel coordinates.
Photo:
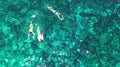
(89, 35)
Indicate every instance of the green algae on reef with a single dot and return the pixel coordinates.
(89, 35)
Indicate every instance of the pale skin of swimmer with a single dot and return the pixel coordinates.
(31, 31)
(60, 16)
(40, 36)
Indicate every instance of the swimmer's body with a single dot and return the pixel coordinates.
(40, 35)
(31, 31)
(60, 16)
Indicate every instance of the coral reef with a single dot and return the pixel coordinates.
(89, 35)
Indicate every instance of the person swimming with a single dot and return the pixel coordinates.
(40, 35)
(31, 31)
(60, 16)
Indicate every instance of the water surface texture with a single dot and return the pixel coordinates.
(88, 36)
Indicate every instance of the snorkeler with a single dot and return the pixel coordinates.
(60, 16)
(40, 36)
(31, 31)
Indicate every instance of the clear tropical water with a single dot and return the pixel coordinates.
(89, 35)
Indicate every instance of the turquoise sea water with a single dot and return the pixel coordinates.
(89, 35)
